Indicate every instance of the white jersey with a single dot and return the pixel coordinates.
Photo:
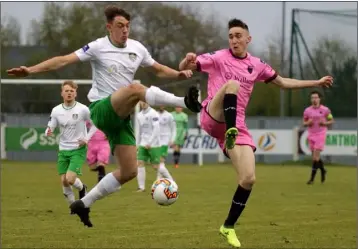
(149, 129)
(167, 128)
(72, 124)
(113, 67)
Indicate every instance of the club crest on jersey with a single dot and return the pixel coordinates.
(75, 116)
(132, 56)
(250, 69)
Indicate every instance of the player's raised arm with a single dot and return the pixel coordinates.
(48, 65)
(189, 62)
(163, 71)
(160, 70)
(85, 53)
(288, 83)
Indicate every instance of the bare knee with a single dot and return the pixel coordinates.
(70, 178)
(124, 175)
(232, 86)
(248, 181)
(64, 181)
(137, 90)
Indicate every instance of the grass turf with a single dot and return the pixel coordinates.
(282, 212)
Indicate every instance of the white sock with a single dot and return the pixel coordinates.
(106, 186)
(78, 184)
(69, 195)
(159, 175)
(141, 177)
(164, 172)
(155, 96)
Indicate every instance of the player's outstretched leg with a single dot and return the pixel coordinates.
(154, 96)
(230, 103)
(243, 160)
(112, 182)
(222, 108)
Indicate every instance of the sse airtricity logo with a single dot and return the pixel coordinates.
(29, 138)
(267, 141)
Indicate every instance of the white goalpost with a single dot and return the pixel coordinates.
(198, 139)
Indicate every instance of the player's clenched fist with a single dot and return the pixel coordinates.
(326, 81)
(185, 74)
(190, 57)
(19, 71)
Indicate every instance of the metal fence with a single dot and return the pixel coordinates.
(40, 120)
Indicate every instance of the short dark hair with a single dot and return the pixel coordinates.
(237, 23)
(316, 92)
(112, 11)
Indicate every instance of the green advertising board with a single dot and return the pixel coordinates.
(30, 139)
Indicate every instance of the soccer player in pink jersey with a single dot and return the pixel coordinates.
(232, 74)
(317, 117)
(98, 153)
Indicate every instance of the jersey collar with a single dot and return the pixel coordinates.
(69, 107)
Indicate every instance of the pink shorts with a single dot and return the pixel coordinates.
(217, 130)
(316, 142)
(98, 152)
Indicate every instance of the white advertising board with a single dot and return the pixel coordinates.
(268, 142)
(338, 143)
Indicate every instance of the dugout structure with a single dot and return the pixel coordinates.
(307, 28)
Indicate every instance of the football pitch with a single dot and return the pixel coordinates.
(283, 212)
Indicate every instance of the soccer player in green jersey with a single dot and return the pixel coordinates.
(181, 121)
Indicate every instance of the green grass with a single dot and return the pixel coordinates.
(283, 212)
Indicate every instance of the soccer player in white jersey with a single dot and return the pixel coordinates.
(71, 117)
(167, 132)
(148, 141)
(114, 94)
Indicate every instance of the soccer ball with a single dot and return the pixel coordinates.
(165, 191)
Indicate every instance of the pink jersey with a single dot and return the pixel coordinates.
(317, 114)
(223, 65)
(98, 136)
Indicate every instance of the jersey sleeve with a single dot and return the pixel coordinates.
(52, 123)
(206, 62)
(88, 52)
(267, 74)
(147, 60)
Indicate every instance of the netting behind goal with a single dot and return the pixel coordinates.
(320, 42)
